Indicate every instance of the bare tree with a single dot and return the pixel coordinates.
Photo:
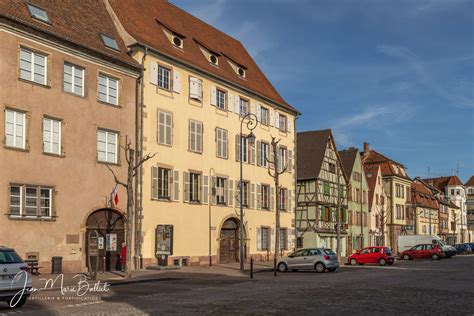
(274, 171)
(132, 168)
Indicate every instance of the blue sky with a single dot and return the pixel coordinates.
(398, 74)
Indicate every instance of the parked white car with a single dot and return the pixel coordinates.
(15, 278)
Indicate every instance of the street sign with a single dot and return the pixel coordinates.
(164, 240)
(111, 242)
(100, 243)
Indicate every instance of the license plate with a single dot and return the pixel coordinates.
(8, 277)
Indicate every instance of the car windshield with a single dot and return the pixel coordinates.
(329, 252)
(9, 257)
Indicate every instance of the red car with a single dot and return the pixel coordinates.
(423, 251)
(376, 254)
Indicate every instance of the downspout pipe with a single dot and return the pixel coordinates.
(140, 217)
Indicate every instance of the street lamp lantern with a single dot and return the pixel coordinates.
(251, 138)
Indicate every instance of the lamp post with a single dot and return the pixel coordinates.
(211, 194)
(251, 125)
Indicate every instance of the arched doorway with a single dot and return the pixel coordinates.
(229, 241)
(110, 225)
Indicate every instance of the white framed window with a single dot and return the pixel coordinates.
(195, 136)
(51, 136)
(265, 196)
(283, 123)
(33, 66)
(221, 143)
(30, 201)
(244, 149)
(164, 77)
(282, 199)
(109, 41)
(245, 193)
(107, 146)
(265, 238)
(165, 128)
(263, 154)
(282, 158)
(220, 190)
(15, 129)
(195, 187)
(221, 98)
(108, 89)
(264, 117)
(38, 13)
(244, 107)
(283, 239)
(73, 79)
(164, 181)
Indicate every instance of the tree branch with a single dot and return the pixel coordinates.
(117, 181)
(139, 163)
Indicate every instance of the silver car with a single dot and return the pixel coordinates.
(15, 278)
(319, 259)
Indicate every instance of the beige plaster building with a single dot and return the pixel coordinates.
(199, 84)
(67, 99)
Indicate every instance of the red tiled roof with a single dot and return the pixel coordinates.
(388, 166)
(76, 22)
(422, 196)
(470, 182)
(442, 182)
(142, 19)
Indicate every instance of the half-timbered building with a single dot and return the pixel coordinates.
(321, 191)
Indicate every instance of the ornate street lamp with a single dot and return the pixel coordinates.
(251, 125)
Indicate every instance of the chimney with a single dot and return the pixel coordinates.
(366, 147)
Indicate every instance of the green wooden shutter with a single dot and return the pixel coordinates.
(326, 188)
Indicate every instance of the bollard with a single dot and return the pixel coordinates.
(251, 268)
(274, 266)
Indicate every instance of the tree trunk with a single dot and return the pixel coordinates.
(277, 197)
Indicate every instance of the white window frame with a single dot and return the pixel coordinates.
(222, 143)
(164, 77)
(245, 193)
(264, 151)
(13, 133)
(244, 149)
(38, 201)
(198, 137)
(282, 157)
(108, 135)
(265, 238)
(221, 99)
(164, 183)
(282, 199)
(76, 72)
(195, 187)
(283, 123)
(108, 88)
(167, 129)
(264, 119)
(220, 191)
(265, 196)
(244, 104)
(32, 62)
(48, 130)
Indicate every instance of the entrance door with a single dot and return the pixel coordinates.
(229, 242)
(110, 226)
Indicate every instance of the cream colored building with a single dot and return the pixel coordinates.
(378, 206)
(199, 83)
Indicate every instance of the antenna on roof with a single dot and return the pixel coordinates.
(457, 169)
(429, 171)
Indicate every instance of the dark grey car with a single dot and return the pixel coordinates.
(319, 259)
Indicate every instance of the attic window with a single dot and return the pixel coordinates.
(38, 13)
(177, 41)
(109, 41)
(241, 72)
(213, 59)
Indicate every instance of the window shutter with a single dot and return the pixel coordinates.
(213, 190)
(154, 73)
(154, 182)
(169, 128)
(252, 195)
(226, 191)
(259, 152)
(288, 124)
(229, 102)
(175, 185)
(253, 108)
(251, 153)
(237, 147)
(237, 104)
(230, 193)
(288, 204)
(288, 239)
(290, 161)
(259, 196)
(213, 95)
(259, 239)
(277, 120)
(186, 186)
(199, 130)
(195, 88)
(205, 190)
(272, 198)
(176, 81)
(272, 240)
(272, 120)
(259, 112)
(322, 214)
(237, 193)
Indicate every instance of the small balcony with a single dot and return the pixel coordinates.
(330, 227)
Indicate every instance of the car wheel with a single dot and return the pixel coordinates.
(406, 257)
(319, 267)
(282, 267)
(332, 269)
(435, 257)
(19, 304)
(353, 262)
(382, 262)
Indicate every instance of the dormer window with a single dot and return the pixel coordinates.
(109, 41)
(177, 41)
(241, 72)
(213, 59)
(38, 13)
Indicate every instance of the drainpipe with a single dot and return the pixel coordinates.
(142, 97)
